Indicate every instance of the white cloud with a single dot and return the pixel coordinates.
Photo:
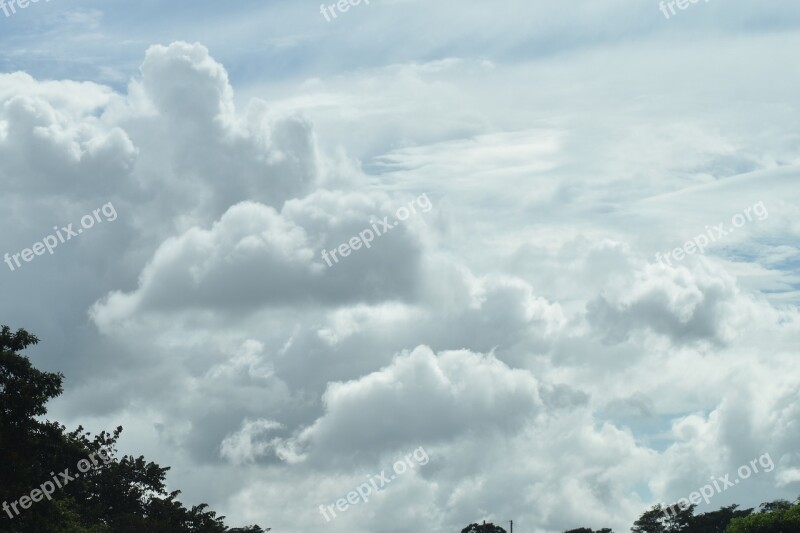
(521, 331)
(243, 446)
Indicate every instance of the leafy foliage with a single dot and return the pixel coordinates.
(483, 528)
(779, 516)
(775, 517)
(120, 495)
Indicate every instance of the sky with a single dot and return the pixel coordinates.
(543, 256)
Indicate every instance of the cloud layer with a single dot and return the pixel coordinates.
(521, 330)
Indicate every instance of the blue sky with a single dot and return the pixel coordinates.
(265, 41)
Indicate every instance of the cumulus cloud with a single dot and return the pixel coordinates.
(243, 446)
(41, 138)
(684, 305)
(422, 397)
(254, 256)
(518, 330)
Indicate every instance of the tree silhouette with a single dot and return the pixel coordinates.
(716, 521)
(123, 495)
(775, 517)
(483, 528)
(652, 521)
(777, 505)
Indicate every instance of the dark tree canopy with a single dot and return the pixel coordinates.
(483, 528)
(774, 517)
(120, 495)
(778, 516)
(674, 519)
